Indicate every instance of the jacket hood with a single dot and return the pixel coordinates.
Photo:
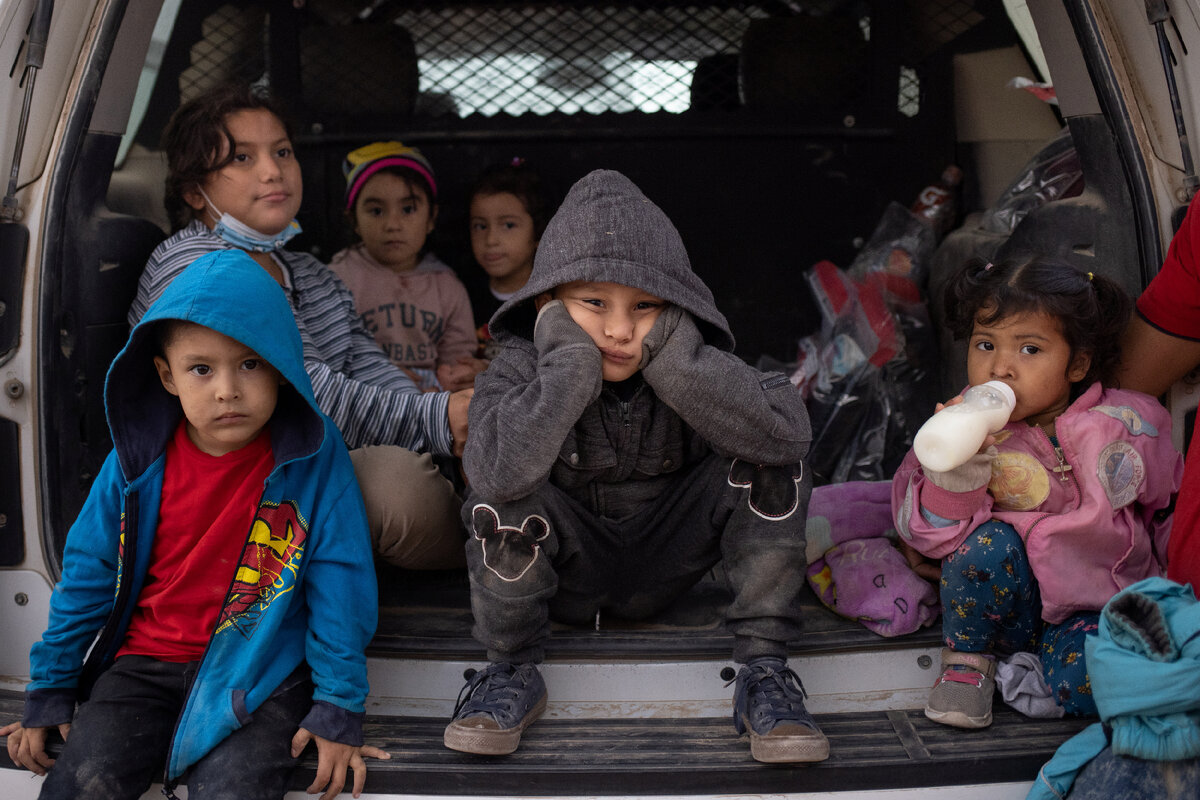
(228, 292)
(606, 230)
(1146, 658)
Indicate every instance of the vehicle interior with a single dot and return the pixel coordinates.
(774, 134)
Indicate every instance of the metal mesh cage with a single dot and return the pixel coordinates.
(937, 22)
(930, 25)
(545, 59)
(232, 48)
(371, 57)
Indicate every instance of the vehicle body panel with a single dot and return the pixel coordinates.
(1105, 62)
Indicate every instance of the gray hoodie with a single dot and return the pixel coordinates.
(607, 230)
(541, 411)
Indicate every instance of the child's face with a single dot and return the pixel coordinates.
(617, 317)
(502, 239)
(261, 187)
(393, 218)
(227, 391)
(1028, 352)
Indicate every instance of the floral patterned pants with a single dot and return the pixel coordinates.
(991, 604)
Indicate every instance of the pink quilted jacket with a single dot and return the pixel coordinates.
(1094, 513)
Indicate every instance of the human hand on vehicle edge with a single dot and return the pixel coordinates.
(27, 746)
(333, 759)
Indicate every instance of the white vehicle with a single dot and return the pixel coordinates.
(774, 134)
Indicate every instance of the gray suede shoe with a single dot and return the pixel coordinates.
(962, 696)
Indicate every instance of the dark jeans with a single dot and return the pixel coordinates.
(119, 738)
(1110, 776)
(546, 555)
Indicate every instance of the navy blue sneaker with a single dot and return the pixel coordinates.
(768, 703)
(495, 706)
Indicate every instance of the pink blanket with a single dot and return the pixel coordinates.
(854, 566)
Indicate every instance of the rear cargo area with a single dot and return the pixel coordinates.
(644, 708)
(795, 146)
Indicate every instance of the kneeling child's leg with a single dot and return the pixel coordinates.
(1064, 666)
(763, 550)
(990, 605)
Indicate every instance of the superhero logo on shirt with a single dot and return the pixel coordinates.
(120, 555)
(508, 552)
(774, 491)
(1121, 472)
(270, 562)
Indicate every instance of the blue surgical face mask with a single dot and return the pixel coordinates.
(239, 234)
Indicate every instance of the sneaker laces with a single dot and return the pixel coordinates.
(496, 691)
(961, 673)
(773, 694)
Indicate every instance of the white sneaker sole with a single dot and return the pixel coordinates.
(957, 719)
(466, 738)
(787, 749)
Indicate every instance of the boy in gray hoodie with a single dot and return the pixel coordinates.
(618, 449)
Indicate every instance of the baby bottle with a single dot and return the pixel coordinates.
(951, 436)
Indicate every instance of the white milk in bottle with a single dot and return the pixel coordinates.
(951, 436)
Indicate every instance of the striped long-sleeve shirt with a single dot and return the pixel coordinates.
(371, 400)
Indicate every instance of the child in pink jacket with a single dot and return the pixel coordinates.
(1065, 506)
(413, 304)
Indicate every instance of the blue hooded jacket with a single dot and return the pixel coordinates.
(314, 598)
(1143, 665)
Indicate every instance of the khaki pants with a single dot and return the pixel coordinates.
(412, 510)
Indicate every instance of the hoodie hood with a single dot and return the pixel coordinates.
(228, 292)
(606, 230)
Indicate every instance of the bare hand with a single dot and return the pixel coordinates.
(416, 379)
(925, 568)
(456, 414)
(461, 374)
(988, 440)
(333, 759)
(27, 746)
(953, 401)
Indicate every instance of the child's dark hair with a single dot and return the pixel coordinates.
(416, 180)
(413, 179)
(517, 178)
(166, 331)
(1092, 310)
(195, 136)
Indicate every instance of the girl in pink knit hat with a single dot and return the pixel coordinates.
(413, 304)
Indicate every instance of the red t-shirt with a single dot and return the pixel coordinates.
(1171, 303)
(208, 506)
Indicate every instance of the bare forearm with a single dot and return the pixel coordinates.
(1151, 360)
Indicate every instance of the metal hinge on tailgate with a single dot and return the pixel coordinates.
(1157, 15)
(14, 237)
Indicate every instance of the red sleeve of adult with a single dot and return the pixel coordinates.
(1171, 302)
(1183, 549)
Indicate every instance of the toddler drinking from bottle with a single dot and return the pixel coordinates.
(1058, 510)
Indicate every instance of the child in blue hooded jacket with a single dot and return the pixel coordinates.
(221, 566)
